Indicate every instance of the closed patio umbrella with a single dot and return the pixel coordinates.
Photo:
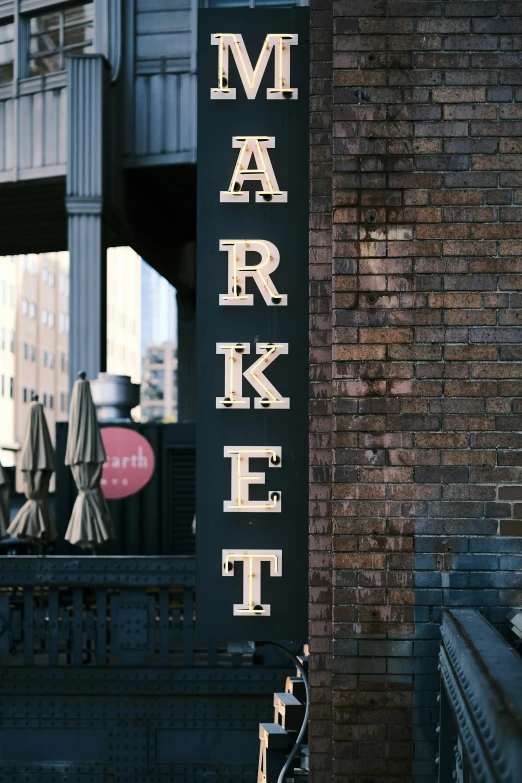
(4, 502)
(90, 524)
(35, 521)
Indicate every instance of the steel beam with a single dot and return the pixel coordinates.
(482, 679)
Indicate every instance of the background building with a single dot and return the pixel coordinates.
(124, 282)
(34, 342)
(159, 386)
(98, 151)
(34, 335)
(158, 309)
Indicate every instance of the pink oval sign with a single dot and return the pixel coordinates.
(130, 462)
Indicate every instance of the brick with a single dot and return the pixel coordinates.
(459, 300)
(470, 145)
(469, 111)
(470, 179)
(386, 335)
(442, 162)
(416, 403)
(441, 475)
(440, 129)
(496, 162)
(495, 128)
(472, 8)
(470, 42)
(511, 334)
(360, 8)
(459, 78)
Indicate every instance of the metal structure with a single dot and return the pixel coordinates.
(114, 397)
(104, 678)
(253, 317)
(102, 153)
(480, 728)
(157, 520)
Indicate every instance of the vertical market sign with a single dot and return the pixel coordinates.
(252, 322)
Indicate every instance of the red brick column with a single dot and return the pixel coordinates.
(421, 418)
(321, 455)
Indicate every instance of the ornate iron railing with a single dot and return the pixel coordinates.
(100, 611)
(480, 730)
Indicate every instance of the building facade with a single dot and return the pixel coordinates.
(34, 344)
(159, 386)
(415, 241)
(158, 309)
(127, 72)
(415, 308)
(34, 335)
(124, 314)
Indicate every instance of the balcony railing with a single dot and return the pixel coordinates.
(101, 611)
(480, 730)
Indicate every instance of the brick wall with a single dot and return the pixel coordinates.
(416, 411)
(321, 421)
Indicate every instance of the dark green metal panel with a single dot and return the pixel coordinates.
(158, 519)
(286, 226)
(103, 678)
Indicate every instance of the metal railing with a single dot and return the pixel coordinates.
(102, 611)
(480, 730)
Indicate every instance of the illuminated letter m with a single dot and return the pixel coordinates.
(251, 77)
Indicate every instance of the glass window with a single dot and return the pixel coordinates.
(45, 400)
(51, 401)
(33, 353)
(50, 320)
(44, 359)
(156, 356)
(6, 52)
(44, 317)
(51, 360)
(25, 306)
(11, 341)
(32, 310)
(247, 3)
(45, 274)
(51, 279)
(11, 387)
(153, 386)
(26, 351)
(53, 36)
(25, 394)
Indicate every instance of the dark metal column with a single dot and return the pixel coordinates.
(88, 88)
(186, 356)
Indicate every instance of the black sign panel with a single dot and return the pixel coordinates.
(252, 324)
